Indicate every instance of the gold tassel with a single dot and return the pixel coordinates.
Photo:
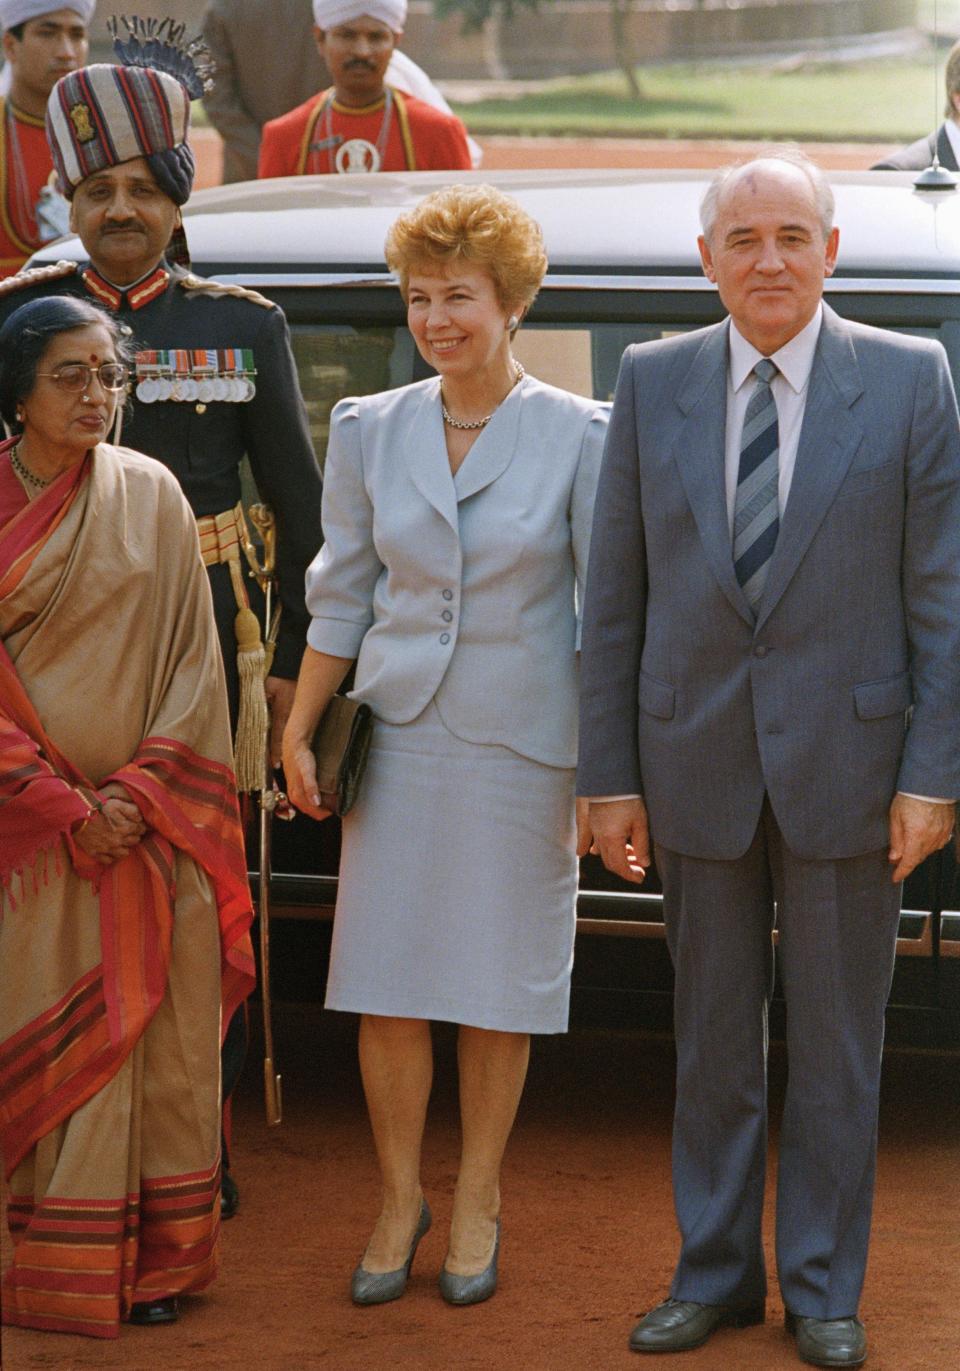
(250, 747)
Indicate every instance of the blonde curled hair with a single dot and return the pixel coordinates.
(475, 224)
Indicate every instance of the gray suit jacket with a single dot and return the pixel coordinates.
(919, 155)
(847, 686)
(461, 589)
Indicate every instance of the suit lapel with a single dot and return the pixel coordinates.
(945, 153)
(493, 450)
(699, 454)
(425, 453)
(829, 437)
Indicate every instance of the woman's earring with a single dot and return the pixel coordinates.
(513, 322)
(20, 415)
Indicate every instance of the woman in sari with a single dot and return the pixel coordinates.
(124, 908)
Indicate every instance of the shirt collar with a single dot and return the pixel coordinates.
(794, 360)
(137, 295)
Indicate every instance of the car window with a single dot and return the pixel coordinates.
(341, 359)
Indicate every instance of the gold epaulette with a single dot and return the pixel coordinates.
(192, 282)
(34, 276)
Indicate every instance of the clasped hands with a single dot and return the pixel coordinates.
(114, 830)
(618, 831)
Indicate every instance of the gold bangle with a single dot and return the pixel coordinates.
(90, 813)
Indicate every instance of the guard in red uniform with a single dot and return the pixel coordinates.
(41, 43)
(362, 124)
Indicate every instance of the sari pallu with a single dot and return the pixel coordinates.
(113, 979)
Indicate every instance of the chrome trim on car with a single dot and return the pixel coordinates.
(860, 285)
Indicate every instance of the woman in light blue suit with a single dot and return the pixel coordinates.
(456, 517)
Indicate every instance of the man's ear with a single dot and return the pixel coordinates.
(72, 222)
(706, 258)
(10, 46)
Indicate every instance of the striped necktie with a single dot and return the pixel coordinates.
(756, 518)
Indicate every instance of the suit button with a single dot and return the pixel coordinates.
(447, 594)
(447, 617)
(444, 638)
(760, 651)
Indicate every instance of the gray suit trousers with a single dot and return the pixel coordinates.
(837, 926)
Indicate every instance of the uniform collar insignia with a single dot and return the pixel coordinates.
(136, 296)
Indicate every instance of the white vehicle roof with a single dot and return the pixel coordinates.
(596, 221)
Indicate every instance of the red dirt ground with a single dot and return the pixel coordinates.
(588, 1228)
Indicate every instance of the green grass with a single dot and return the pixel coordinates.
(880, 101)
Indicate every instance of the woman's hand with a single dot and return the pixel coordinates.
(320, 674)
(114, 830)
(300, 773)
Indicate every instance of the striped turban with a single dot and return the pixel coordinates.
(103, 115)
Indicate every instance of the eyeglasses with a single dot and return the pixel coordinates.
(77, 375)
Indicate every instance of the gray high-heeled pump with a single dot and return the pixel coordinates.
(471, 1289)
(380, 1287)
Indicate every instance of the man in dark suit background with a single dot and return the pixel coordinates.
(945, 142)
(771, 659)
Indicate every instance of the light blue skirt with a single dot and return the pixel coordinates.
(458, 884)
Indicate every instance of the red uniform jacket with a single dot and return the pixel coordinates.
(419, 138)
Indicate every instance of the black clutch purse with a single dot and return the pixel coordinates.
(340, 748)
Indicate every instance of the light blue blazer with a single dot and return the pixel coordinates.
(461, 589)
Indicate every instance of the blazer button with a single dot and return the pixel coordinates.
(444, 638)
(447, 594)
(447, 617)
(760, 651)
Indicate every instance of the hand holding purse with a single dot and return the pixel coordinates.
(340, 747)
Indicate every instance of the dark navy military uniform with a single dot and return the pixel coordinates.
(204, 443)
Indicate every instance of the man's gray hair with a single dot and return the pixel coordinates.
(792, 156)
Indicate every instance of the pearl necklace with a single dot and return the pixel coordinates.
(518, 375)
(24, 472)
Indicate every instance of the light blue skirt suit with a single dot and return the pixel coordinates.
(458, 595)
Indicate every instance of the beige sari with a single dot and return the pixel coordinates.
(113, 981)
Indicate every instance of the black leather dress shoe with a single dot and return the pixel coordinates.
(229, 1196)
(679, 1325)
(828, 1342)
(156, 1311)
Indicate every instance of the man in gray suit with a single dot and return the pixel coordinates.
(945, 142)
(771, 659)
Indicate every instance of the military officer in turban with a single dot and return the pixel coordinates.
(364, 122)
(215, 377)
(41, 42)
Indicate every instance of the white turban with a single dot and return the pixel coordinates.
(14, 12)
(328, 14)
